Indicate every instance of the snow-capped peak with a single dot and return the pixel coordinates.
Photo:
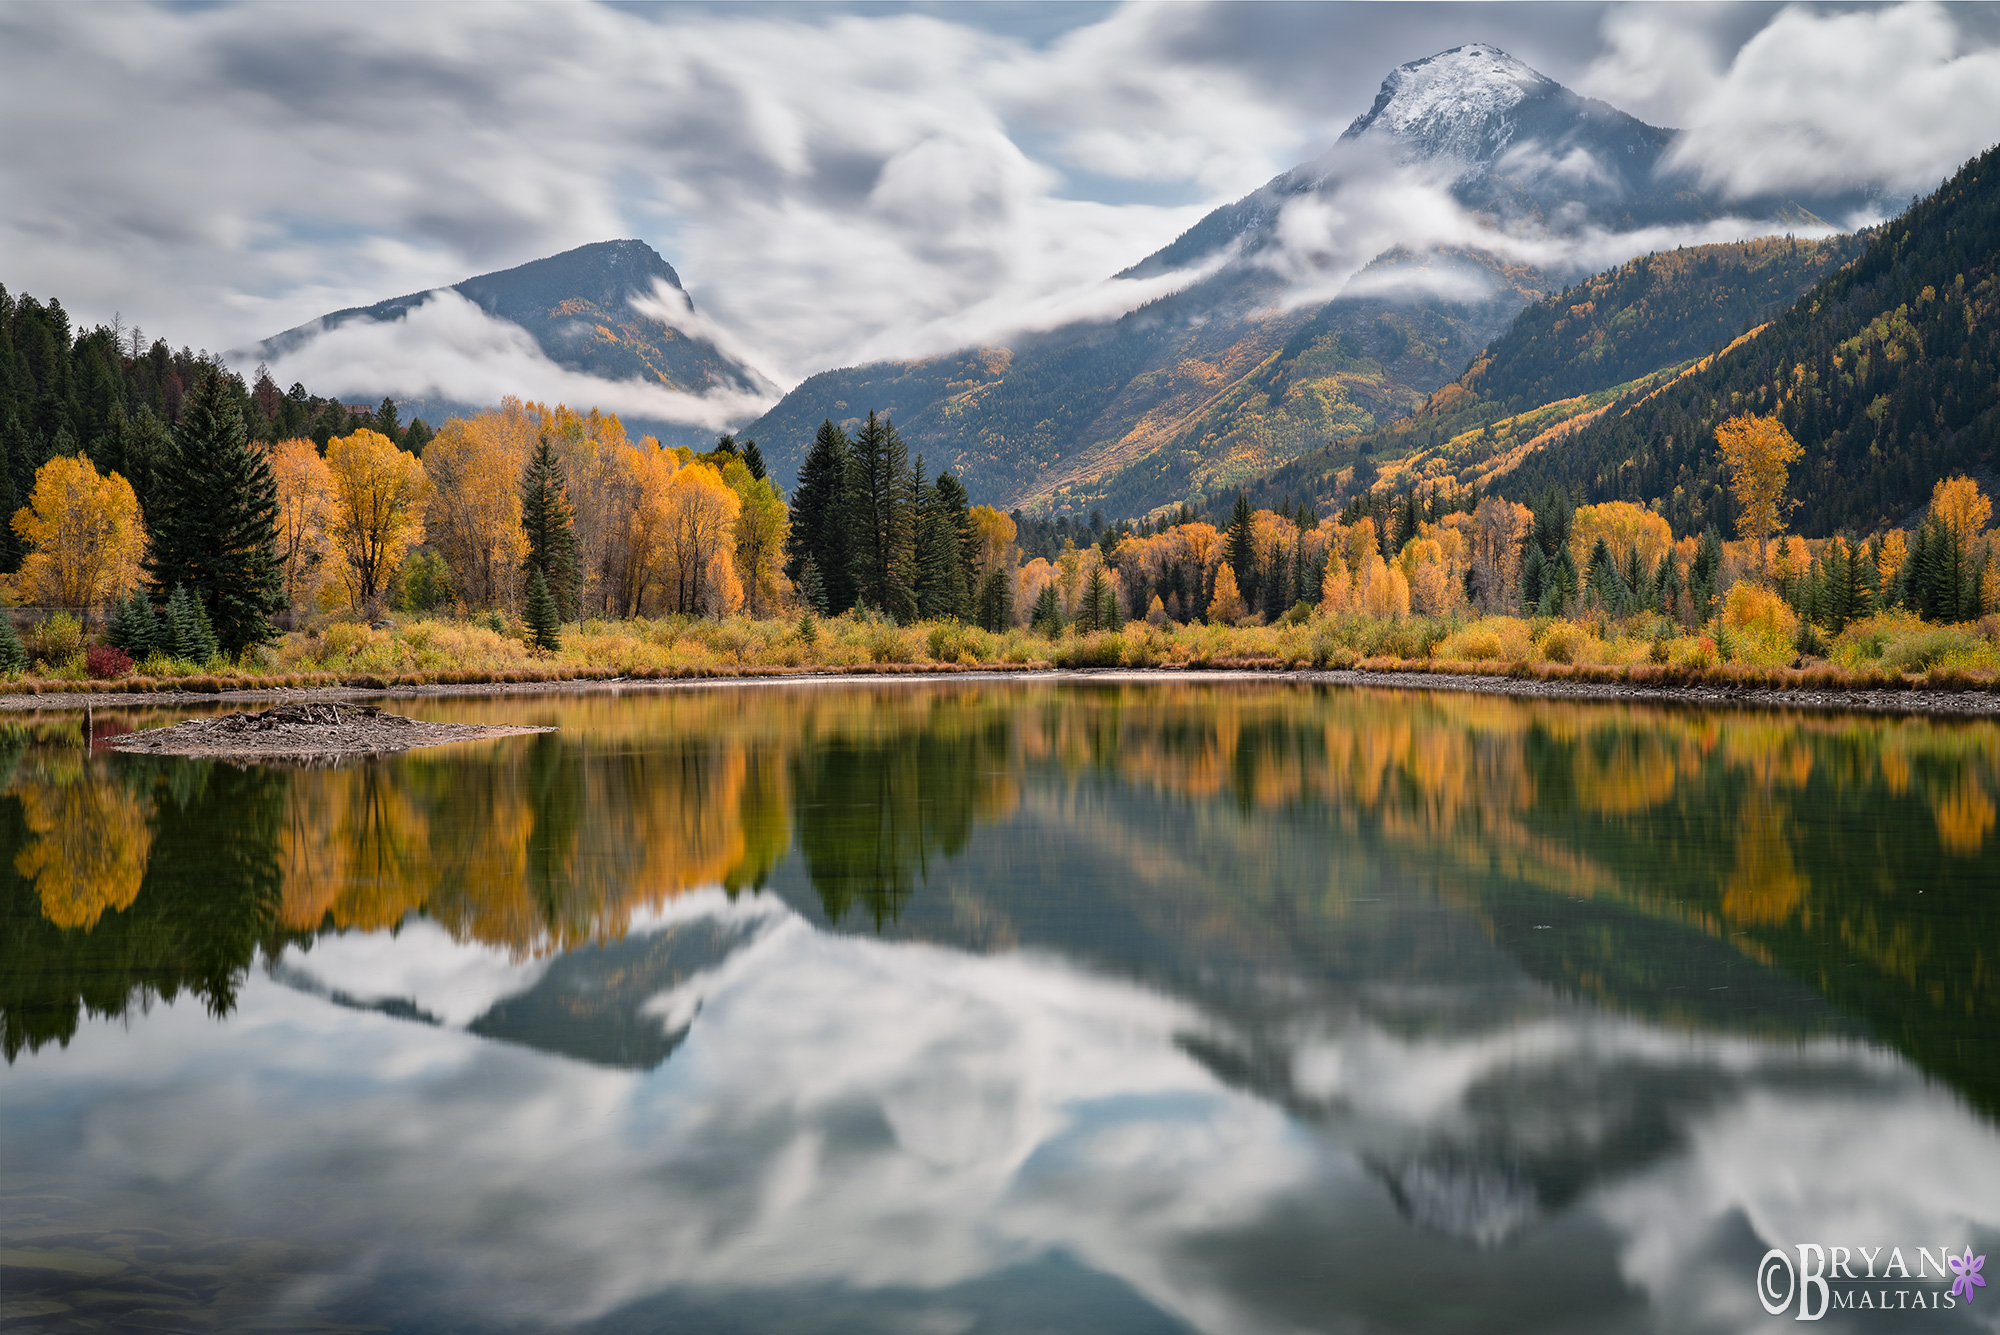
(1454, 104)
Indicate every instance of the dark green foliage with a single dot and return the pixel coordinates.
(215, 520)
(1887, 372)
(544, 623)
(418, 436)
(550, 523)
(136, 628)
(13, 654)
(945, 544)
(424, 583)
(753, 459)
(1097, 608)
(187, 633)
(882, 520)
(812, 589)
(1047, 618)
(1239, 548)
(387, 421)
(819, 513)
(996, 601)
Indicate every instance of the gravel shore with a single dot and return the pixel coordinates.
(303, 732)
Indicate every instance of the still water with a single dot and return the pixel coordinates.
(1109, 1007)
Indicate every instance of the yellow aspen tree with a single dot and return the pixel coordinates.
(995, 532)
(1336, 588)
(305, 512)
(762, 526)
(84, 536)
(1623, 526)
(697, 543)
(1758, 453)
(1889, 559)
(1384, 591)
(473, 514)
(378, 510)
(1226, 607)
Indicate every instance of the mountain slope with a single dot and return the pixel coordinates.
(1233, 376)
(1887, 372)
(1576, 351)
(579, 309)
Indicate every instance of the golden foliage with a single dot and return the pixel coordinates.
(1964, 818)
(474, 516)
(696, 543)
(87, 846)
(84, 535)
(1623, 526)
(1960, 506)
(1227, 604)
(1757, 452)
(305, 515)
(378, 510)
(1765, 888)
(762, 525)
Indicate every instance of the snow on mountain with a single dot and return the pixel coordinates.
(1454, 104)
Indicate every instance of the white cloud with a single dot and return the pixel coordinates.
(447, 348)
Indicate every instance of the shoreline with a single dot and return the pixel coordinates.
(1915, 698)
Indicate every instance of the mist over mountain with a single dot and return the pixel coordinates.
(606, 325)
(1322, 306)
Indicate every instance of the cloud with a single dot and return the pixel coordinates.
(1893, 99)
(956, 1116)
(447, 348)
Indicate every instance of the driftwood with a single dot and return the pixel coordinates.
(307, 732)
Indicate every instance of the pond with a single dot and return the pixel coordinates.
(1105, 1006)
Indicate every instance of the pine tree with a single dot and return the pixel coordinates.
(13, 655)
(882, 519)
(188, 634)
(1239, 547)
(550, 522)
(812, 590)
(136, 630)
(996, 602)
(753, 459)
(215, 519)
(1047, 617)
(544, 621)
(1534, 572)
(819, 533)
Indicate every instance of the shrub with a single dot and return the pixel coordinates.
(1562, 642)
(1764, 629)
(13, 658)
(103, 662)
(56, 638)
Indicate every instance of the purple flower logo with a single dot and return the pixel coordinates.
(1967, 1268)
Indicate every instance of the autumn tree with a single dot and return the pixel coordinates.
(216, 527)
(378, 510)
(697, 542)
(83, 535)
(1758, 452)
(549, 522)
(305, 511)
(1226, 606)
(473, 515)
(760, 532)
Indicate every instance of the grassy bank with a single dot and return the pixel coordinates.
(1890, 650)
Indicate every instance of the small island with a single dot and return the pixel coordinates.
(308, 732)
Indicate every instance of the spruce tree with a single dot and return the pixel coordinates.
(941, 572)
(544, 622)
(812, 589)
(996, 602)
(1047, 616)
(550, 522)
(819, 533)
(1534, 572)
(189, 635)
(136, 630)
(883, 524)
(214, 519)
(1239, 547)
(13, 655)
(753, 459)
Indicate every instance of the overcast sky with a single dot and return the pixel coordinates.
(833, 182)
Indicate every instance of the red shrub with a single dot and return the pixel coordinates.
(105, 663)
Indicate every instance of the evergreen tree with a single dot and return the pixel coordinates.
(819, 533)
(955, 507)
(387, 421)
(1534, 572)
(215, 520)
(544, 621)
(13, 655)
(812, 590)
(882, 520)
(941, 574)
(1704, 574)
(753, 459)
(136, 629)
(1047, 617)
(996, 602)
(550, 522)
(189, 635)
(1239, 547)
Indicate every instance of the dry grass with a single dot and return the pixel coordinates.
(1890, 650)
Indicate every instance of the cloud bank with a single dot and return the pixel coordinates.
(833, 184)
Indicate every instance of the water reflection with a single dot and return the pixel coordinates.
(1215, 1006)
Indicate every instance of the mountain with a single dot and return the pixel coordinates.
(1571, 354)
(578, 307)
(1887, 372)
(1235, 374)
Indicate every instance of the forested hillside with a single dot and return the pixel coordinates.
(1887, 372)
(1569, 354)
(110, 394)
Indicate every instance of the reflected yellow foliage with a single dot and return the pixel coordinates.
(1964, 817)
(1765, 888)
(87, 848)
